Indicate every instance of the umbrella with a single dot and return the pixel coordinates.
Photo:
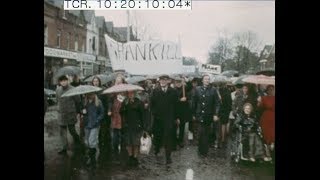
(260, 79)
(193, 74)
(122, 88)
(82, 89)
(152, 77)
(103, 77)
(239, 80)
(68, 70)
(220, 78)
(49, 91)
(135, 79)
(229, 73)
(267, 72)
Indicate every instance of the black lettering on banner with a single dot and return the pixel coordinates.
(172, 51)
(144, 51)
(175, 54)
(152, 49)
(132, 54)
(163, 46)
(168, 51)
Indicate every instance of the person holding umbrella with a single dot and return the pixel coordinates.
(93, 114)
(114, 106)
(164, 108)
(104, 135)
(132, 113)
(68, 112)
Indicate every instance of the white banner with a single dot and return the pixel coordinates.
(210, 68)
(145, 57)
(188, 69)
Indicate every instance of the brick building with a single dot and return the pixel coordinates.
(64, 37)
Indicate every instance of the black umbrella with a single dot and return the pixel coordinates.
(68, 70)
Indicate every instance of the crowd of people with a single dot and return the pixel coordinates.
(113, 124)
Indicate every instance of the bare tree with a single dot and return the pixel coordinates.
(246, 44)
(221, 50)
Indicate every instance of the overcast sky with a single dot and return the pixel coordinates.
(198, 28)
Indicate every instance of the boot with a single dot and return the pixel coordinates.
(92, 156)
(168, 158)
(135, 161)
(130, 161)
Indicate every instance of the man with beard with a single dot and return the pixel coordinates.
(163, 106)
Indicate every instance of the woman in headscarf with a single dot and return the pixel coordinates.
(248, 125)
(132, 112)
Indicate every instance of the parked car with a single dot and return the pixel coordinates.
(51, 96)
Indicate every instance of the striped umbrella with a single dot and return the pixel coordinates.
(122, 88)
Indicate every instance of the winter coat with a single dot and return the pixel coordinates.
(68, 107)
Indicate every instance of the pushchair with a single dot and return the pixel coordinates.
(238, 150)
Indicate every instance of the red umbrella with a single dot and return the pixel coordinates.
(122, 88)
(260, 79)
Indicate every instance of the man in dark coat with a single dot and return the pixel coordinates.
(68, 113)
(205, 109)
(183, 108)
(163, 106)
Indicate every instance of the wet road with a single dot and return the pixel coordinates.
(187, 165)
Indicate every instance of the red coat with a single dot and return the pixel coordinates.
(267, 121)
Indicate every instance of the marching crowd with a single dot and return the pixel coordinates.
(115, 123)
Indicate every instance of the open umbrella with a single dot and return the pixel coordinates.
(82, 89)
(68, 70)
(260, 79)
(122, 88)
(135, 79)
(229, 73)
(219, 79)
(239, 80)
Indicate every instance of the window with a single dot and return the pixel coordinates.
(68, 40)
(94, 43)
(64, 14)
(45, 34)
(76, 42)
(58, 38)
(89, 50)
(83, 44)
(100, 48)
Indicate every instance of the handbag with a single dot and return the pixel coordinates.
(145, 144)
